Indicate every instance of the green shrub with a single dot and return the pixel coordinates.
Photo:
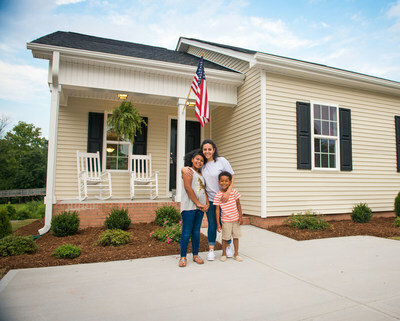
(113, 237)
(168, 233)
(397, 205)
(167, 215)
(118, 219)
(11, 211)
(308, 220)
(66, 223)
(67, 251)
(16, 245)
(5, 225)
(361, 213)
(397, 222)
(22, 214)
(35, 209)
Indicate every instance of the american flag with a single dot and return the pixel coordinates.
(200, 89)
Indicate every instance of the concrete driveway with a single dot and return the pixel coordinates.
(350, 278)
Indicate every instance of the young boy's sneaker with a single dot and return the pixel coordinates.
(229, 252)
(211, 256)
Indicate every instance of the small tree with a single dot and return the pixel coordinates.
(5, 225)
(397, 205)
(125, 121)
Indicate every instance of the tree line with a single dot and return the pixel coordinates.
(23, 156)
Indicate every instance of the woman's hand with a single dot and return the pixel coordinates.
(186, 171)
(225, 197)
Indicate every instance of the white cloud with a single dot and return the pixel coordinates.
(63, 2)
(21, 83)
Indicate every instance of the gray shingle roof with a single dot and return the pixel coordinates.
(123, 48)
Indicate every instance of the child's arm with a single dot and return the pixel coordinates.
(217, 213)
(239, 207)
(225, 196)
(187, 183)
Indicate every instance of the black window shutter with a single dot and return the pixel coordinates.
(346, 158)
(397, 125)
(140, 144)
(303, 135)
(95, 133)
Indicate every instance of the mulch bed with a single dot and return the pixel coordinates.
(381, 227)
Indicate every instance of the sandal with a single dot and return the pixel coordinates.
(182, 262)
(198, 259)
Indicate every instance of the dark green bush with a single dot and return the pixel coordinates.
(11, 211)
(361, 213)
(16, 245)
(5, 225)
(397, 205)
(66, 223)
(118, 219)
(308, 221)
(397, 222)
(67, 251)
(167, 215)
(113, 237)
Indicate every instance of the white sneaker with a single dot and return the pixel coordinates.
(229, 252)
(211, 256)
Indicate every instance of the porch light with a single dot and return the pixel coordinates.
(110, 149)
(122, 96)
(191, 104)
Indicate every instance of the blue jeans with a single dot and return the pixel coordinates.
(191, 224)
(212, 225)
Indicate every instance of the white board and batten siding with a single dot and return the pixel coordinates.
(236, 132)
(72, 136)
(373, 180)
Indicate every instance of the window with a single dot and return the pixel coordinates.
(118, 151)
(325, 136)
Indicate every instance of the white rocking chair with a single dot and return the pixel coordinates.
(90, 176)
(141, 176)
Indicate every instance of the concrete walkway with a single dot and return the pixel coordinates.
(350, 278)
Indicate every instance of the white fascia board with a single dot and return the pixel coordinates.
(155, 66)
(184, 43)
(320, 72)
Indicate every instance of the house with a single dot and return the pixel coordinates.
(299, 135)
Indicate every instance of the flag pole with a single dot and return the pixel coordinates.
(190, 90)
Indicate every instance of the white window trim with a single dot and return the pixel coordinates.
(337, 160)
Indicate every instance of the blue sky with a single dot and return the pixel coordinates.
(356, 35)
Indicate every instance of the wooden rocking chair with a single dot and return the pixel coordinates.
(91, 178)
(141, 176)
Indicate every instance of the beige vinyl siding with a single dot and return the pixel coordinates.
(72, 136)
(220, 59)
(236, 131)
(374, 179)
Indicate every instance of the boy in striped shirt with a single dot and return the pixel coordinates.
(231, 215)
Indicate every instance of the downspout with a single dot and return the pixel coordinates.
(55, 89)
(263, 152)
(180, 146)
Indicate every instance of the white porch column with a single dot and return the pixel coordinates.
(263, 152)
(180, 146)
(50, 198)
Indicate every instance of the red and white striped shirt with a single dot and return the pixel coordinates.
(229, 210)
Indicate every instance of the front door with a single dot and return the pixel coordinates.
(192, 142)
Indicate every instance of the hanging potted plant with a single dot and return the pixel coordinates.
(125, 121)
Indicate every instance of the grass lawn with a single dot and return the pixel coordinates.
(17, 224)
